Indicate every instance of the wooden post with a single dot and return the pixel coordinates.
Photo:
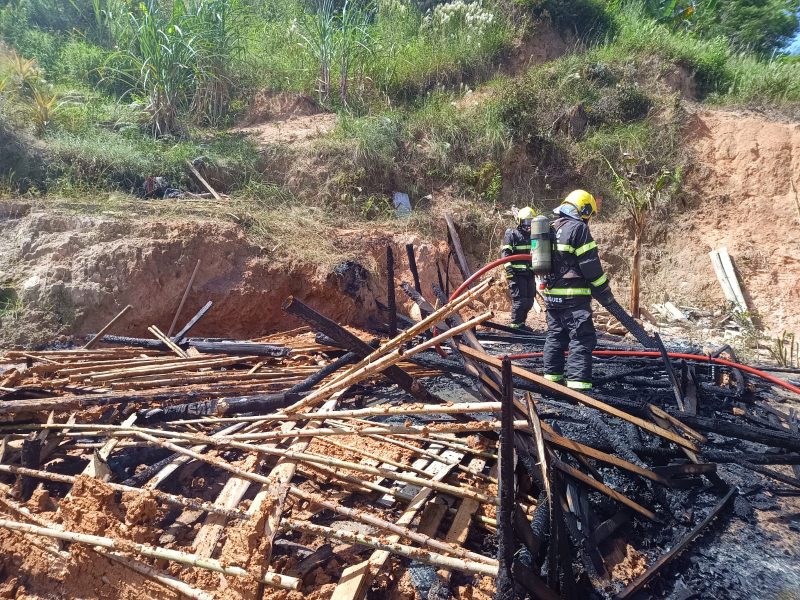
(505, 528)
(183, 299)
(455, 242)
(390, 292)
(412, 265)
(100, 333)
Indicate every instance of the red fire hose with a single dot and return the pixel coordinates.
(495, 263)
(697, 357)
(633, 353)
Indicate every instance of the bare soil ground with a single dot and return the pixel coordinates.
(740, 196)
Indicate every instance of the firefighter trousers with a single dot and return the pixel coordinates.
(573, 329)
(523, 288)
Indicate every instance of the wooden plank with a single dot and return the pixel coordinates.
(203, 181)
(183, 299)
(229, 497)
(461, 258)
(722, 277)
(356, 579)
(730, 272)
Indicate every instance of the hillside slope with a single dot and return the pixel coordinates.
(740, 196)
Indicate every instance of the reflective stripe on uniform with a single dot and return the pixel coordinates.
(553, 377)
(513, 248)
(585, 248)
(518, 266)
(579, 385)
(600, 280)
(567, 292)
(565, 248)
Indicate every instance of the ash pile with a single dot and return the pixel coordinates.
(433, 462)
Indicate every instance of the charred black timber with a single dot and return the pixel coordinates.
(645, 577)
(390, 295)
(676, 388)
(29, 458)
(257, 403)
(505, 513)
(768, 437)
(412, 265)
(178, 337)
(240, 348)
(458, 250)
(533, 583)
(425, 307)
(347, 340)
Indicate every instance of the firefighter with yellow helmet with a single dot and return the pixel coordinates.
(519, 273)
(576, 277)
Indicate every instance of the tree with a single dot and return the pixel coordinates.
(763, 26)
(642, 188)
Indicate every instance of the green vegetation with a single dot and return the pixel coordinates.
(101, 94)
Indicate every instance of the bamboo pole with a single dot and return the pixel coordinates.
(103, 331)
(360, 413)
(144, 570)
(190, 503)
(402, 531)
(189, 364)
(183, 299)
(462, 492)
(431, 558)
(358, 515)
(382, 363)
(167, 342)
(426, 323)
(271, 579)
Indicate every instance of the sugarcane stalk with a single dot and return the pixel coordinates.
(271, 579)
(431, 558)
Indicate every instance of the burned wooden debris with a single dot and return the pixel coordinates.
(298, 464)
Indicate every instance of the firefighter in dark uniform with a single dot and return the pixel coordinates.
(577, 277)
(519, 273)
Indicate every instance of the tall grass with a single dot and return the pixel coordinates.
(722, 74)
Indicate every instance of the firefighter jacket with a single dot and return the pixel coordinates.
(517, 241)
(577, 274)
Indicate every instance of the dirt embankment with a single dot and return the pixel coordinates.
(72, 274)
(739, 195)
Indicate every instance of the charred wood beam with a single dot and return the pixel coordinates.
(258, 403)
(243, 348)
(178, 337)
(458, 250)
(412, 265)
(390, 293)
(505, 512)
(30, 455)
(656, 567)
(347, 340)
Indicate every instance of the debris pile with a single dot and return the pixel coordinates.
(323, 463)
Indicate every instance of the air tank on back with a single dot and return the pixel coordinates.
(541, 247)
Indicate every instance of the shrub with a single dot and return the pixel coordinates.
(82, 62)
